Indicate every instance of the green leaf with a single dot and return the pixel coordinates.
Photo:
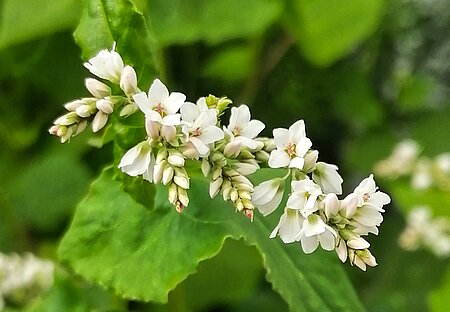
(328, 30)
(56, 176)
(144, 252)
(30, 19)
(439, 300)
(212, 21)
(106, 21)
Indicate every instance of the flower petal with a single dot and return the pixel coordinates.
(158, 93)
(211, 134)
(297, 131)
(174, 102)
(189, 112)
(278, 159)
(171, 120)
(252, 129)
(201, 147)
(303, 146)
(143, 102)
(309, 244)
(281, 137)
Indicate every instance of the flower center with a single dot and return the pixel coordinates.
(290, 150)
(160, 109)
(237, 131)
(366, 196)
(197, 132)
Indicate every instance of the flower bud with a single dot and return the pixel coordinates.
(67, 119)
(214, 187)
(183, 196)
(341, 250)
(349, 205)
(206, 167)
(176, 160)
(181, 181)
(217, 172)
(310, 160)
(161, 155)
(245, 169)
(128, 80)
(158, 171)
(152, 128)
(262, 156)
(331, 204)
(190, 151)
(232, 149)
(234, 195)
(81, 126)
(169, 133)
(96, 88)
(167, 174)
(268, 195)
(73, 105)
(129, 110)
(99, 121)
(54, 130)
(84, 111)
(356, 242)
(105, 106)
(173, 193)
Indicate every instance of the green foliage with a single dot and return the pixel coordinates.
(324, 38)
(146, 252)
(215, 20)
(19, 21)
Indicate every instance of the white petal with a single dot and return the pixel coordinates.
(278, 159)
(309, 244)
(264, 192)
(379, 199)
(252, 129)
(349, 205)
(201, 147)
(130, 155)
(327, 240)
(171, 120)
(174, 102)
(140, 160)
(313, 225)
(158, 93)
(251, 144)
(368, 216)
(358, 243)
(272, 205)
(281, 137)
(143, 102)
(297, 162)
(331, 205)
(211, 135)
(189, 112)
(240, 116)
(297, 131)
(296, 201)
(303, 146)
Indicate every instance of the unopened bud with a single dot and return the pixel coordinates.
(84, 111)
(67, 119)
(173, 193)
(217, 172)
(206, 167)
(96, 88)
(81, 126)
(161, 155)
(310, 160)
(128, 110)
(176, 160)
(234, 195)
(99, 121)
(152, 128)
(190, 151)
(128, 80)
(158, 171)
(169, 133)
(232, 149)
(167, 174)
(181, 181)
(73, 105)
(183, 196)
(105, 106)
(214, 187)
(262, 156)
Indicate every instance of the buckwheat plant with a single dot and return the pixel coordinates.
(179, 131)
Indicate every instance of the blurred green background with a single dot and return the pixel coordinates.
(364, 74)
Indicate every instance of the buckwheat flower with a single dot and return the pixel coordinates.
(107, 65)
(328, 178)
(200, 127)
(159, 105)
(243, 129)
(422, 178)
(304, 197)
(289, 226)
(96, 88)
(137, 160)
(292, 146)
(314, 232)
(366, 220)
(267, 196)
(402, 160)
(366, 192)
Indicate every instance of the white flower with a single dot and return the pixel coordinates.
(328, 178)
(315, 232)
(366, 220)
(361, 258)
(366, 193)
(159, 105)
(242, 129)
(401, 161)
(304, 197)
(422, 178)
(268, 195)
(199, 126)
(289, 226)
(107, 65)
(96, 88)
(292, 146)
(139, 160)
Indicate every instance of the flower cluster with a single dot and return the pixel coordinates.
(422, 230)
(23, 277)
(180, 132)
(405, 160)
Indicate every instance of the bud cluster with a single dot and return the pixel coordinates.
(178, 131)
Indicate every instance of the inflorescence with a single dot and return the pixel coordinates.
(178, 130)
